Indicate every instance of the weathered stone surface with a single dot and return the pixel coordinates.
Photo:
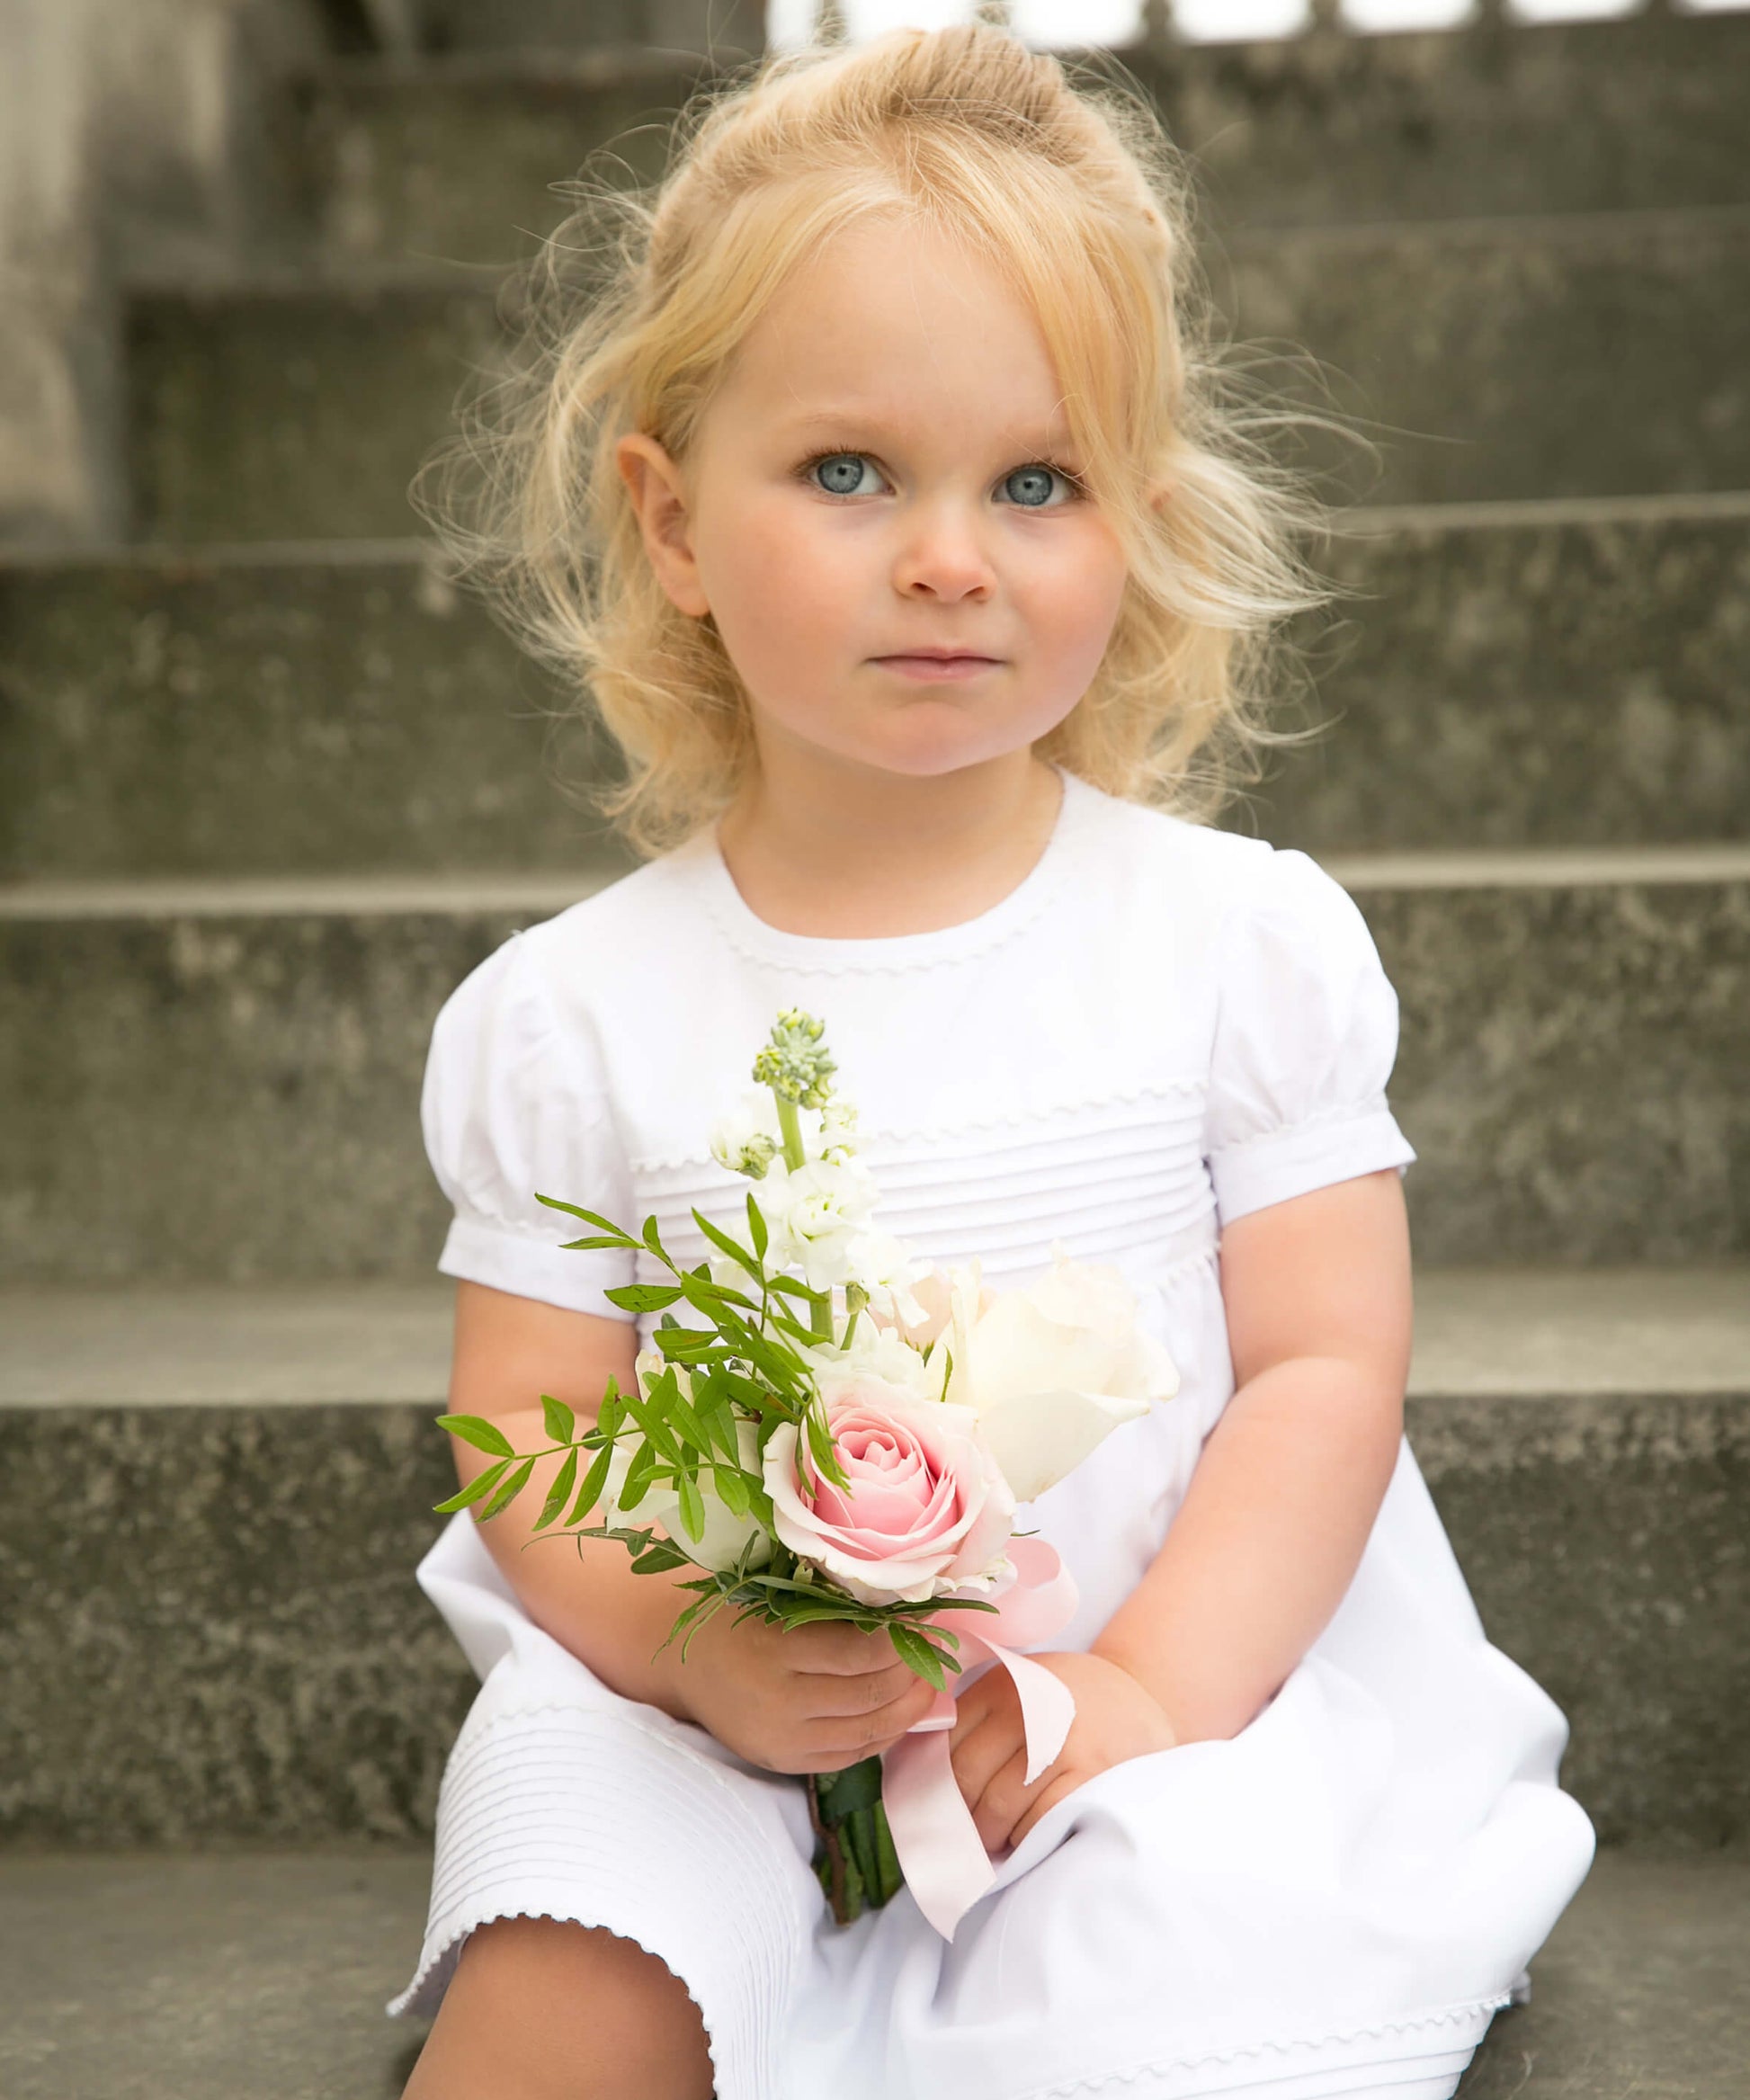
(287, 412)
(1571, 1068)
(212, 1976)
(1479, 350)
(452, 157)
(224, 1097)
(456, 158)
(1503, 678)
(325, 709)
(236, 1096)
(209, 1629)
(1509, 117)
(1638, 1991)
(1605, 1543)
(1605, 355)
(1543, 676)
(264, 1973)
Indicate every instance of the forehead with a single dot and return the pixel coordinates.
(903, 323)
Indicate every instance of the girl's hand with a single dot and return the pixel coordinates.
(1115, 1720)
(796, 1699)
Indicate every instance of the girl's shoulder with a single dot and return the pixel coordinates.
(1209, 888)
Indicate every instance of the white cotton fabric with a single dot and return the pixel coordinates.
(1163, 1028)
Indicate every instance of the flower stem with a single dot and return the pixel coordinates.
(790, 1124)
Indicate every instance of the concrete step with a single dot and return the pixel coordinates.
(1515, 675)
(1518, 675)
(211, 1975)
(221, 1078)
(273, 709)
(214, 1501)
(1601, 355)
(456, 156)
(293, 409)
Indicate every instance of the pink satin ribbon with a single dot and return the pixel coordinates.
(946, 1866)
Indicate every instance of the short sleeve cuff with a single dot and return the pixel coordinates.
(477, 1253)
(1278, 1164)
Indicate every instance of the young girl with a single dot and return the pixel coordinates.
(886, 499)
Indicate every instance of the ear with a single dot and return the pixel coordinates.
(652, 482)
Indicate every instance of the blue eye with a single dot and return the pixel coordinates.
(1031, 488)
(842, 473)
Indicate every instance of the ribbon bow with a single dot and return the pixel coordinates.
(946, 1866)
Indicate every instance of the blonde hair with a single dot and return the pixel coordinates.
(633, 306)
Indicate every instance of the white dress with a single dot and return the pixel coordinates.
(1163, 1028)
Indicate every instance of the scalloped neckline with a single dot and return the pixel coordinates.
(755, 936)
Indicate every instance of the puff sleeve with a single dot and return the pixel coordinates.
(512, 1105)
(1305, 1035)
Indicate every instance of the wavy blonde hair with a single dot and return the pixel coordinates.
(633, 306)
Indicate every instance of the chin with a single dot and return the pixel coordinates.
(924, 750)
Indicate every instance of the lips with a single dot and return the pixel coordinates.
(936, 656)
(938, 663)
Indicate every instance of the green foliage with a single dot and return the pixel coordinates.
(477, 1489)
(733, 1364)
(473, 1430)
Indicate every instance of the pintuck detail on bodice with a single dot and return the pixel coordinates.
(1162, 1027)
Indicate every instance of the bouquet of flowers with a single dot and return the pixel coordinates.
(828, 1429)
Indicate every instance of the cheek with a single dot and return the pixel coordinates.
(785, 598)
(1072, 596)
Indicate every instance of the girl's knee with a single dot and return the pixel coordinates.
(556, 2011)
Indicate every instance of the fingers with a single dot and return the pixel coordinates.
(830, 1741)
(1008, 1808)
(990, 1768)
(837, 1650)
(831, 1696)
(1051, 1792)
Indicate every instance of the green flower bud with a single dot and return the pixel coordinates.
(793, 1064)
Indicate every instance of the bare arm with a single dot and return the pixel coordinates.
(507, 1352)
(1284, 1495)
(814, 1699)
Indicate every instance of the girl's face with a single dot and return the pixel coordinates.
(881, 514)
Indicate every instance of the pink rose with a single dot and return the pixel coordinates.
(927, 1509)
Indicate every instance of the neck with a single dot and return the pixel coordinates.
(860, 853)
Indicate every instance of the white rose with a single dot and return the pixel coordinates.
(725, 1535)
(814, 1214)
(1052, 1370)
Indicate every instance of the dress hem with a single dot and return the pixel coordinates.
(1477, 2012)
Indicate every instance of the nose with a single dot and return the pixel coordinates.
(942, 554)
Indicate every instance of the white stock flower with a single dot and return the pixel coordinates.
(725, 1535)
(814, 1214)
(837, 1135)
(747, 1139)
(875, 1352)
(882, 1264)
(1050, 1371)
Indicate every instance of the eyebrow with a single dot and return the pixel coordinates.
(1055, 438)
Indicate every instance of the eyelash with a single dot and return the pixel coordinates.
(804, 472)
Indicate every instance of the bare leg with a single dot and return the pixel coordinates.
(541, 2010)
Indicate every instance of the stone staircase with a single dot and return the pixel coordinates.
(269, 787)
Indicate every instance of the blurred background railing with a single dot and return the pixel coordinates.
(269, 786)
